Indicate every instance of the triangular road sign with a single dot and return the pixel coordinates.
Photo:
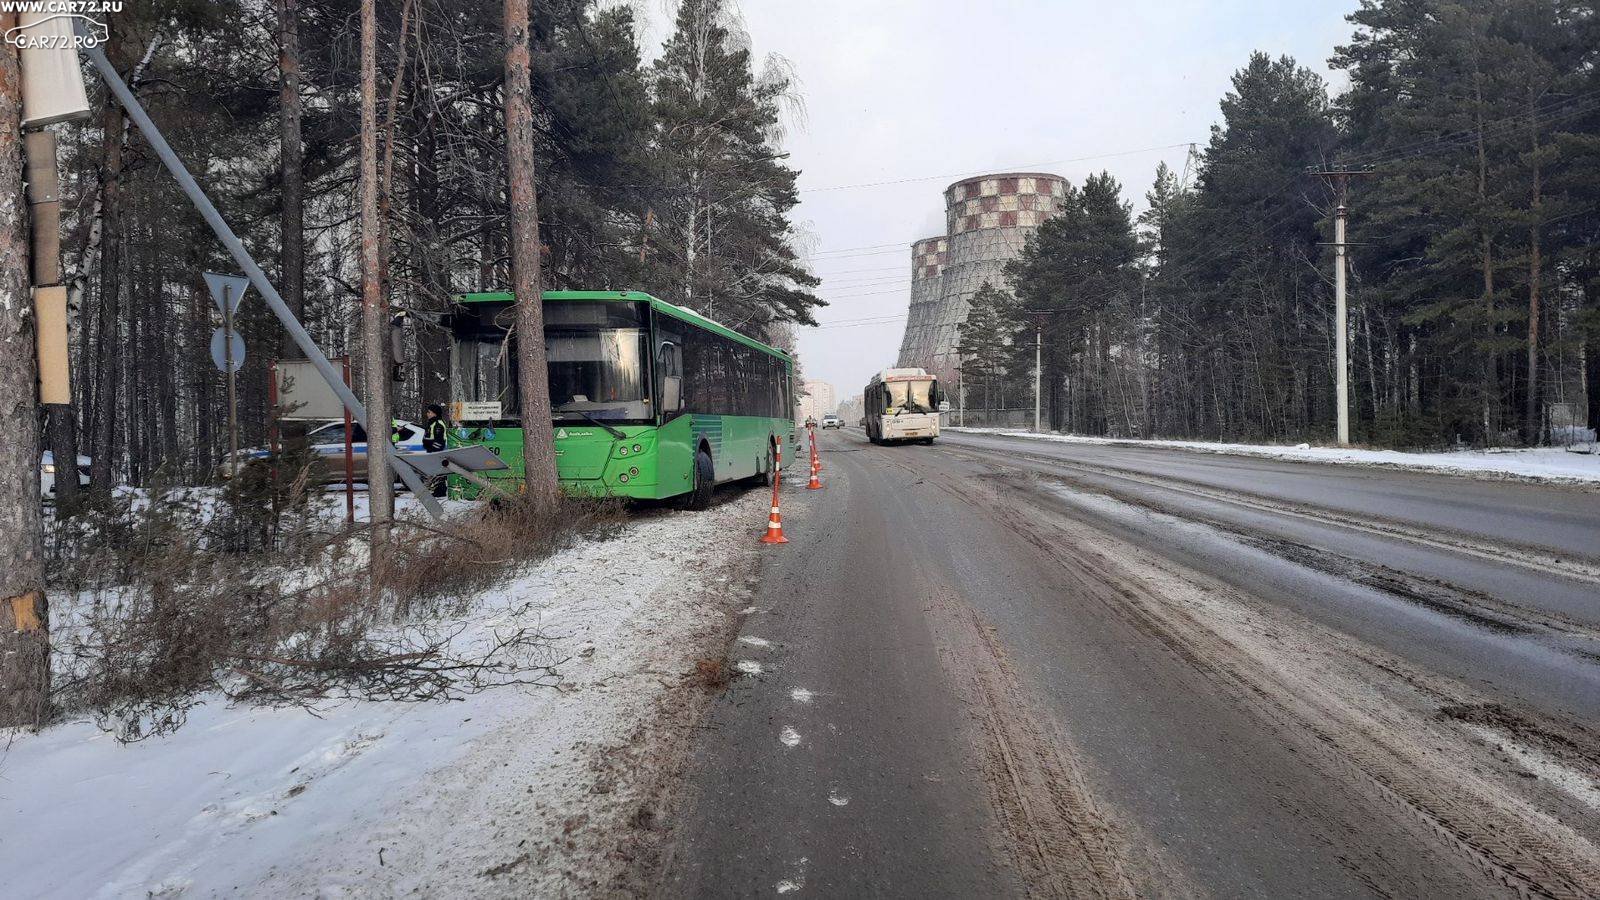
(230, 286)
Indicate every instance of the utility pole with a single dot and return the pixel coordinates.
(1341, 329)
(1038, 368)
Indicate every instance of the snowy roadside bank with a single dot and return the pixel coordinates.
(512, 792)
(1550, 464)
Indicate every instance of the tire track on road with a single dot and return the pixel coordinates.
(1380, 751)
(1538, 559)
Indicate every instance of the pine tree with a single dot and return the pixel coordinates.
(1242, 264)
(725, 239)
(538, 439)
(1078, 275)
(985, 344)
(24, 615)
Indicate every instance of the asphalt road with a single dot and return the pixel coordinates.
(994, 667)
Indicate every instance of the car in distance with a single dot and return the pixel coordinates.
(832, 420)
(325, 443)
(48, 472)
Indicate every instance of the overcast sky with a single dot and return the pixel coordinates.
(922, 92)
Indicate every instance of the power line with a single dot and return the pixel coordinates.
(864, 280)
(898, 290)
(856, 271)
(867, 319)
(970, 172)
(869, 323)
(863, 247)
(1580, 103)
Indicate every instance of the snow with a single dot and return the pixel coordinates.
(453, 798)
(1577, 465)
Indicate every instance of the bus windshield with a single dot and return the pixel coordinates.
(915, 396)
(597, 361)
(599, 372)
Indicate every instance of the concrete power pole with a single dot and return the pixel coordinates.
(1341, 327)
(1038, 368)
(1341, 318)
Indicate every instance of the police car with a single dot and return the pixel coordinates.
(325, 442)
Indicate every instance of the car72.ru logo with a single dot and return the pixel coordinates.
(59, 30)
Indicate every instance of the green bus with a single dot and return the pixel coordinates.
(649, 400)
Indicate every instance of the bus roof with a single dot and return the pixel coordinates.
(903, 374)
(661, 306)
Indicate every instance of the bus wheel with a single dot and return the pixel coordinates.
(705, 481)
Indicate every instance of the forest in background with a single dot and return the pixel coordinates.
(1475, 257)
(666, 176)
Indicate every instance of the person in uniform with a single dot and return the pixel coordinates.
(433, 441)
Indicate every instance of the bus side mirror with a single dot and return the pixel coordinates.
(671, 393)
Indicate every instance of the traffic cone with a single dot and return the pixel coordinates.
(816, 458)
(774, 533)
(815, 485)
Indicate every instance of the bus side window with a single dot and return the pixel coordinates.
(669, 361)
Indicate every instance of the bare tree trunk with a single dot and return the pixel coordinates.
(94, 235)
(1490, 380)
(24, 614)
(291, 158)
(380, 484)
(538, 440)
(108, 346)
(1531, 415)
(386, 166)
(1588, 276)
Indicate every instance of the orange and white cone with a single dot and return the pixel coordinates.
(816, 459)
(774, 533)
(816, 466)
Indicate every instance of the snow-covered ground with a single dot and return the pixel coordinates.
(1541, 464)
(516, 791)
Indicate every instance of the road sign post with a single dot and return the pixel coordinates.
(233, 385)
(227, 350)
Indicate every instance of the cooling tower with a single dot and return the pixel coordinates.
(989, 219)
(927, 263)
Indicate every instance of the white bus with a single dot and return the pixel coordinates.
(902, 405)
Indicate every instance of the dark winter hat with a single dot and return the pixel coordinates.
(436, 409)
